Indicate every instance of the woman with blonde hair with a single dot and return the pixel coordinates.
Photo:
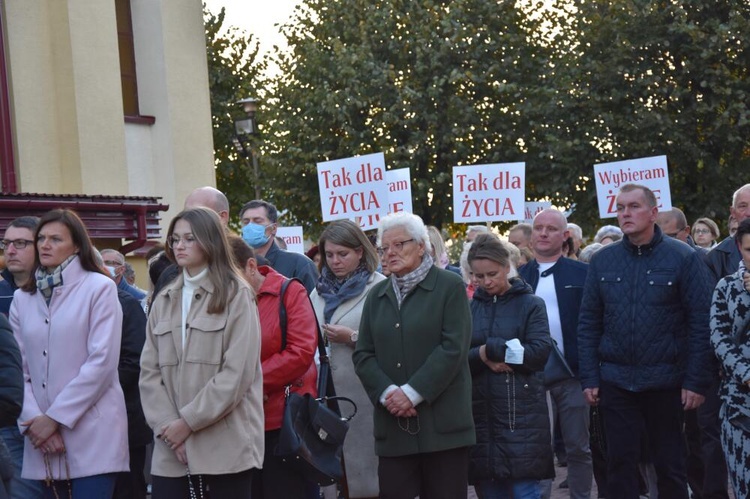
(201, 382)
(347, 274)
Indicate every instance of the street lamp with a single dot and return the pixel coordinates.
(244, 128)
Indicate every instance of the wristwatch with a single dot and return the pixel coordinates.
(354, 336)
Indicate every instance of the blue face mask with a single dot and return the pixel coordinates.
(255, 235)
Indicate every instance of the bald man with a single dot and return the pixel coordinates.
(207, 197)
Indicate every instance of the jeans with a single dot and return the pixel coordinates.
(20, 488)
(89, 487)
(572, 414)
(510, 489)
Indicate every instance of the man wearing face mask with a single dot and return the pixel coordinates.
(115, 263)
(259, 219)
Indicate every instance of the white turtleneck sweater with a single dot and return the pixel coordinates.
(188, 290)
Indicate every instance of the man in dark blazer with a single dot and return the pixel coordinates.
(724, 259)
(559, 282)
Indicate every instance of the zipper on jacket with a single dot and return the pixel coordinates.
(634, 297)
(488, 399)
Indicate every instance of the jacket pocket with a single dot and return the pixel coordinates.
(165, 344)
(662, 285)
(205, 342)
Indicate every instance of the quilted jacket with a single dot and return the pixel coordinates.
(644, 321)
(510, 411)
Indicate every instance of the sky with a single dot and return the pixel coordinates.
(257, 17)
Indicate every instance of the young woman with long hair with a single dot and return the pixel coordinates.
(201, 383)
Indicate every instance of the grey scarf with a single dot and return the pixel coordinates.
(48, 279)
(403, 285)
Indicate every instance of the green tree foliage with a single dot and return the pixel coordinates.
(648, 78)
(435, 84)
(431, 84)
(233, 74)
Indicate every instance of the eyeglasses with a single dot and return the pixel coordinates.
(188, 241)
(702, 231)
(397, 247)
(19, 244)
(113, 263)
(673, 235)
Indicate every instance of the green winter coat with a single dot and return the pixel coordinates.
(424, 344)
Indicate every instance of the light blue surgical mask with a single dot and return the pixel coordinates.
(255, 235)
(112, 271)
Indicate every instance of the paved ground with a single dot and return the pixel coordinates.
(557, 492)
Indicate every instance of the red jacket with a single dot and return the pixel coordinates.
(295, 364)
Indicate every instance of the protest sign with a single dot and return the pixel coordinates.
(399, 197)
(489, 193)
(650, 172)
(531, 208)
(353, 187)
(293, 238)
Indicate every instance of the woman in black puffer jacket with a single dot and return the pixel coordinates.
(513, 451)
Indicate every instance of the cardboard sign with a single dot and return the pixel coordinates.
(353, 187)
(489, 193)
(399, 197)
(650, 172)
(531, 208)
(293, 238)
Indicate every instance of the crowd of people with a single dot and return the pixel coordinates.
(627, 359)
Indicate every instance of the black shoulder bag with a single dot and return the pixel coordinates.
(312, 432)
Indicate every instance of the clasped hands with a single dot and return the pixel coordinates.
(496, 367)
(399, 405)
(174, 435)
(44, 433)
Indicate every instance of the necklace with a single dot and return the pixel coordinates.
(406, 428)
(510, 385)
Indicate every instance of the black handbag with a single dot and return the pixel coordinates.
(557, 369)
(312, 432)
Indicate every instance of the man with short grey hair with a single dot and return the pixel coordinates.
(724, 259)
(520, 236)
(115, 263)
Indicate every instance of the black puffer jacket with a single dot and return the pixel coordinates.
(11, 376)
(644, 317)
(510, 410)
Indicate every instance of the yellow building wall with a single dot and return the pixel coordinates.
(70, 136)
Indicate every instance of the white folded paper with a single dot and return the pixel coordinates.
(513, 352)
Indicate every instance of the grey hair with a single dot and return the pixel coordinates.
(575, 230)
(611, 231)
(737, 194)
(464, 262)
(413, 225)
(588, 252)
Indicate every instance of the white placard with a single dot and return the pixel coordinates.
(531, 208)
(353, 187)
(399, 197)
(650, 172)
(293, 238)
(489, 193)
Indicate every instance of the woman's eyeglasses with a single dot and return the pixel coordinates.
(397, 247)
(188, 241)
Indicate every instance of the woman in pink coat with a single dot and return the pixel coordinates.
(68, 322)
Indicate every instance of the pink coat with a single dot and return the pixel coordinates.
(70, 355)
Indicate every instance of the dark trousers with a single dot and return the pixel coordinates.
(431, 475)
(132, 484)
(229, 486)
(657, 412)
(706, 466)
(277, 479)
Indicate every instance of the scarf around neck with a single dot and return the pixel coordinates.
(48, 279)
(334, 292)
(403, 285)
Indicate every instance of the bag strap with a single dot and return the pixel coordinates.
(326, 390)
(282, 310)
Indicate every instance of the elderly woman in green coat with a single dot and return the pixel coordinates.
(411, 357)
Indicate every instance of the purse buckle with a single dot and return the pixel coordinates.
(322, 434)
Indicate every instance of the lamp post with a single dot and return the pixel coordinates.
(243, 129)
